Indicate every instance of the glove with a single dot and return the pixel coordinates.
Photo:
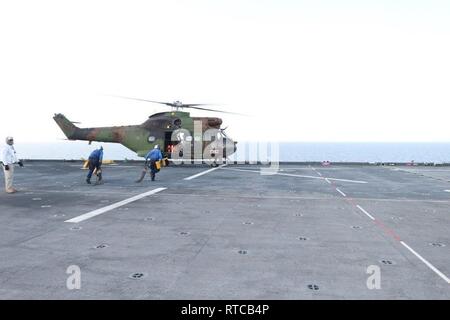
(20, 163)
(6, 167)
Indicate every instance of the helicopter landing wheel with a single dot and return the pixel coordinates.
(214, 164)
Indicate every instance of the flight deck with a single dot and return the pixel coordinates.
(306, 232)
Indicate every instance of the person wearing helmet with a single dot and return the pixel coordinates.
(153, 156)
(9, 158)
(95, 163)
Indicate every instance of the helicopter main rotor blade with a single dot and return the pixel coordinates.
(171, 104)
(145, 100)
(188, 105)
(213, 110)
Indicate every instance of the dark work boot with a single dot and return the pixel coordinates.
(88, 181)
(153, 176)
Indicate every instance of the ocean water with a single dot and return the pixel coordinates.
(366, 152)
(302, 151)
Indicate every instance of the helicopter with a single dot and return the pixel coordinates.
(181, 138)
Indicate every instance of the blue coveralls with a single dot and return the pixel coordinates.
(95, 161)
(153, 156)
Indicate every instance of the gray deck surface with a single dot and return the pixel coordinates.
(186, 239)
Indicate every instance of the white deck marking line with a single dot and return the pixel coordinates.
(204, 172)
(321, 178)
(300, 176)
(343, 194)
(316, 171)
(300, 198)
(429, 265)
(365, 212)
(113, 206)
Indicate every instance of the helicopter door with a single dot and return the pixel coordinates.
(168, 144)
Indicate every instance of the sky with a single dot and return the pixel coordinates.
(301, 70)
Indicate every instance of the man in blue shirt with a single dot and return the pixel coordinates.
(153, 156)
(95, 163)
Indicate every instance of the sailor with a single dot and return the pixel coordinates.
(153, 156)
(8, 158)
(95, 163)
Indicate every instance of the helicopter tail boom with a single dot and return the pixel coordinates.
(104, 134)
(134, 138)
(66, 126)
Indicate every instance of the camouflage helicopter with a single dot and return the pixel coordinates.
(182, 138)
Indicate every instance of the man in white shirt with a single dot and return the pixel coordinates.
(8, 158)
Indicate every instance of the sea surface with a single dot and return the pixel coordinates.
(302, 151)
